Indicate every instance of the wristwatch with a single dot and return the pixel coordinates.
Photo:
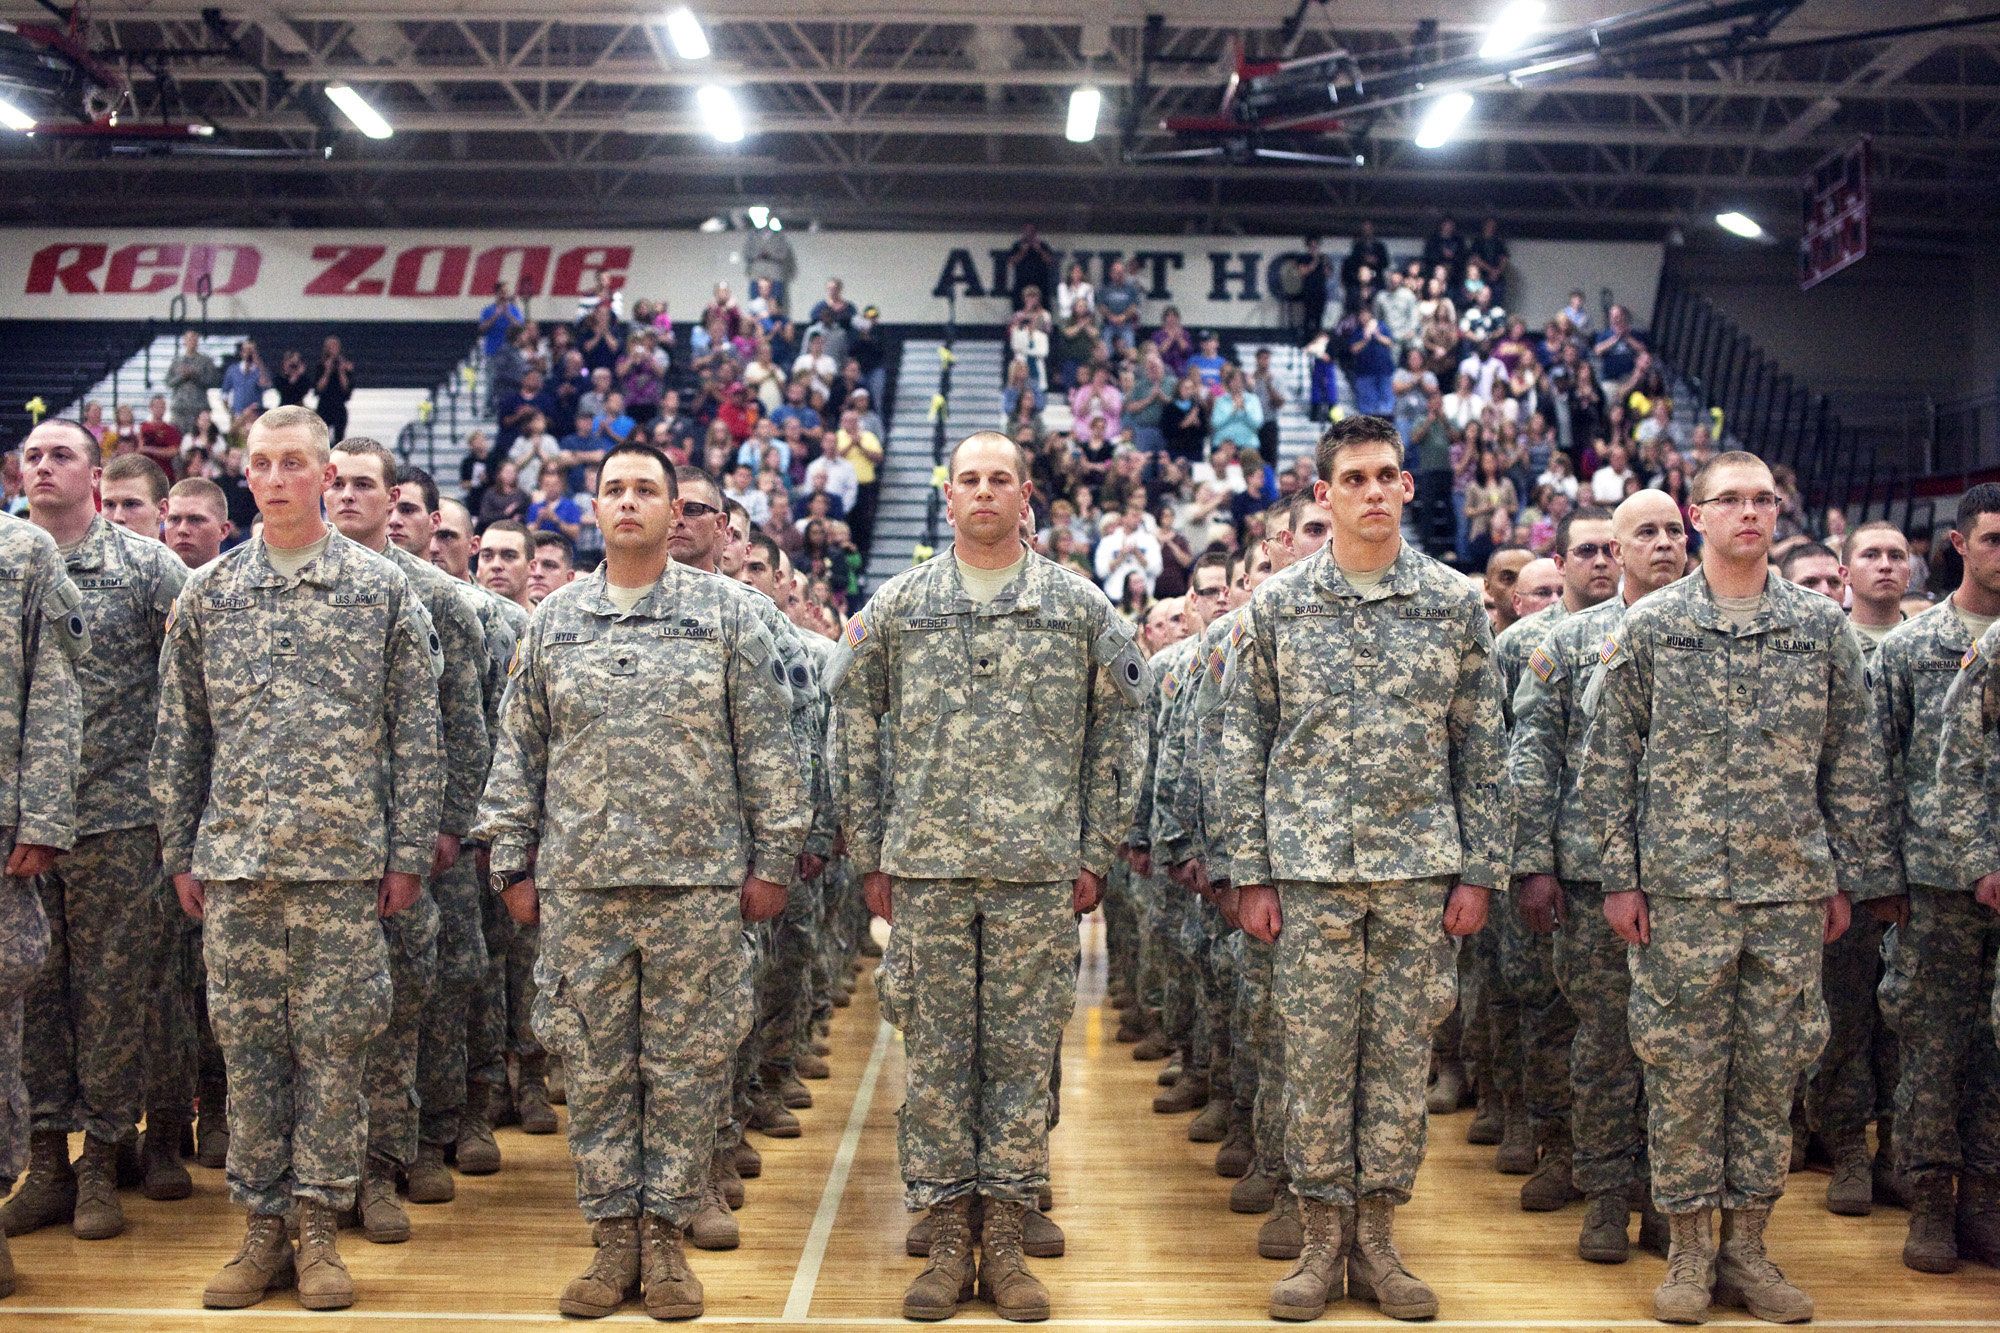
(502, 883)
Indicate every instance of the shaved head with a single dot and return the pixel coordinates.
(1541, 582)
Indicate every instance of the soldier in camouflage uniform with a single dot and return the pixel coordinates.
(1537, 1138)
(1163, 628)
(697, 539)
(45, 634)
(102, 899)
(1368, 662)
(947, 658)
(1938, 697)
(1560, 889)
(416, 1068)
(1734, 768)
(1855, 1081)
(297, 777)
(1299, 527)
(414, 521)
(642, 689)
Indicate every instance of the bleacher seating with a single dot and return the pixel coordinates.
(56, 360)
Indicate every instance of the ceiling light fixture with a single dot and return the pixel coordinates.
(1511, 28)
(720, 115)
(1441, 121)
(1739, 224)
(1084, 105)
(685, 32)
(363, 116)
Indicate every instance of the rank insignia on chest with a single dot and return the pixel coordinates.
(1542, 664)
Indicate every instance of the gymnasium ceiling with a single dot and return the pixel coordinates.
(943, 113)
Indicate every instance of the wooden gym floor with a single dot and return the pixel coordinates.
(1152, 1244)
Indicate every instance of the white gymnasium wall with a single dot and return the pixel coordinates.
(415, 274)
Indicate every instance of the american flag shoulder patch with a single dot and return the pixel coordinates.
(1542, 664)
(1971, 656)
(1609, 650)
(857, 629)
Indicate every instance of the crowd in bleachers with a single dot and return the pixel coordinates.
(785, 412)
(1153, 443)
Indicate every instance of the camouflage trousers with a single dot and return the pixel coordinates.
(442, 1050)
(486, 1014)
(1726, 1013)
(1525, 995)
(1856, 1075)
(1493, 1027)
(82, 1031)
(298, 986)
(1361, 974)
(1216, 1008)
(832, 945)
(785, 999)
(1935, 994)
(1148, 895)
(524, 949)
(1121, 927)
(991, 980)
(1180, 978)
(641, 994)
(410, 939)
(1608, 1096)
(745, 1078)
(1260, 1052)
(173, 1037)
(24, 948)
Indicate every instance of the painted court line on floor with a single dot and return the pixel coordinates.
(869, 1321)
(806, 1278)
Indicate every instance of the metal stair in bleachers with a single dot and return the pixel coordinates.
(904, 508)
(1298, 434)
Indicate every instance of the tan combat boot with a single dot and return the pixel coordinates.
(1552, 1186)
(1447, 1093)
(1282, 1236)
(1604, 1238)
(383, 1218)
(1318, 1277)
(1746, 1278)
(165, 1175)
(1152, 1046)
(749, 1162)
(323, 1280)
(1188, 1093)
(1891, 1186)
(1256, 1193)
(1851, 1192)
(429, 1178)
(48, 1195)
(1212, 1125)
(477, 1152)
(98, 1214)
(723, 1163)
(769, 1116)
(810, 1064)
(1979, 1218)
(669, 1286)
(785, 1086)
(713, 1227)
(1685, 1296)
(1232, 1159)
(1485, 1128)
(1932, 1245)
(1004, 1279)
(613, 1274)
(1375, 1271)
(1516, 1155)
(1041, 1238)
(947, 1280)
(263, 1265)
(1655, 1233)
(531, 1097)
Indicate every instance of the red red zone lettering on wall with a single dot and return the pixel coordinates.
(94, 268)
